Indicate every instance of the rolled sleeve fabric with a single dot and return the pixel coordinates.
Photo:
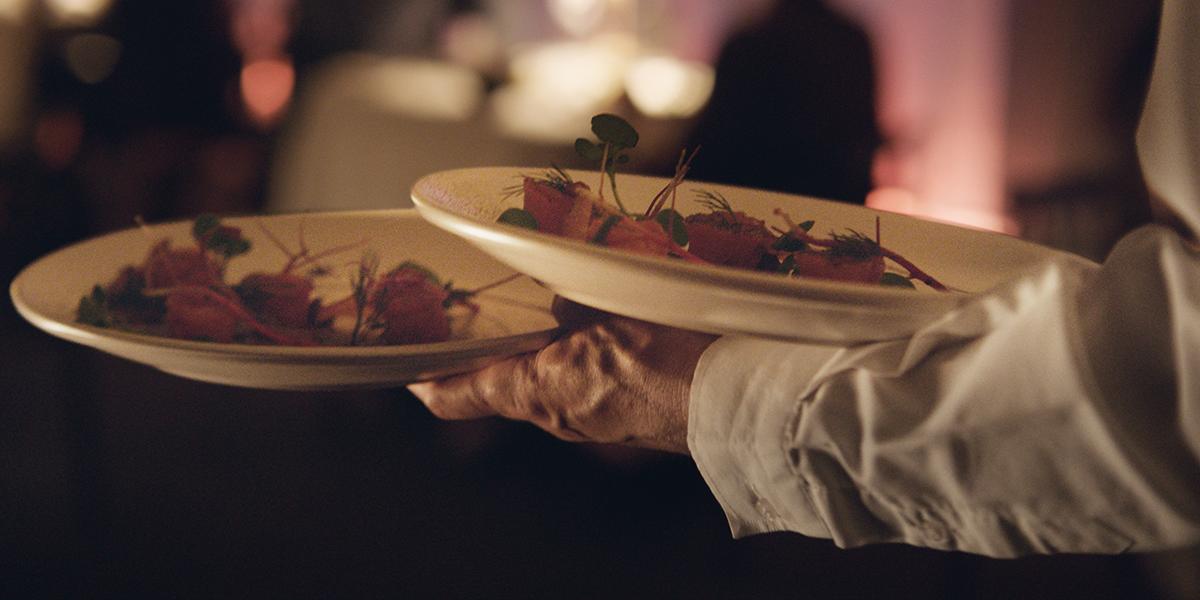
(1052, 415)
(738, 440)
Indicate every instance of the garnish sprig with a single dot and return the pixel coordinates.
(714, 201)
(361, 282)
(303, 257)
(555, 177)
(801, 233)
(682, 166)
(616, 136)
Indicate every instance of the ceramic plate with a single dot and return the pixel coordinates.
(724, 300)
(514, 317)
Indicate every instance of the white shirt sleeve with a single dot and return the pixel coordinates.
(1058, 413)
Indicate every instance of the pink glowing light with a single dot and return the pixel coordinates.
(267, 86)
(941, 105)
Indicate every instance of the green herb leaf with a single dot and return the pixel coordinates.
(361, 283)
(611, 129)
(787, 265)
(204, 225)
(807, 225)
(605, 227)
(616, 135)
(93, 309)
(589, 150)
(672, 223)
(714, 201)
(897, 280)
(226, 241)
(787, 243)
(853, 245)
(519, 217)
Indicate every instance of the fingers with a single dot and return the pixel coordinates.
(473, 395)
(446, 400)
(606, 379)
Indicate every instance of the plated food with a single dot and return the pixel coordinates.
(717, 233)
(184, 291)
(691, 254)
(506, 319)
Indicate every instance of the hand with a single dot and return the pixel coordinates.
(608, 379)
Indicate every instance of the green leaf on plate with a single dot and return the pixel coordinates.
(672, 223)
(788, 243)
(897, 280)
(226, 241)
(614, 130)
(519, 217)
(589, 150)
(605, 227)
(787, 265)
(93, 309)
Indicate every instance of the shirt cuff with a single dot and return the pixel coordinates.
(745, 398)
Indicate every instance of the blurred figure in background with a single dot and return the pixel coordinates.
(793, 106)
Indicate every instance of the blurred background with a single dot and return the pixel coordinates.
(118, 480)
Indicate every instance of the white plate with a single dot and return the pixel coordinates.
(515, 317)
(727, 300)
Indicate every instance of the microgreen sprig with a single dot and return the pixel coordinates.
(616, 136)
(555, 177)
(361, 282)
(714, 201)
(211, 234)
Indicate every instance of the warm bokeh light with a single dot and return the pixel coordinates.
(77, 12)
(664, 86)
(267, 88)
(14, 11)
(577, 75)
(577, 17)
(519, 112)
(92, 56)
(424, 89)
(556, 86)
(569, 59)
(472, 40)
(899, 200)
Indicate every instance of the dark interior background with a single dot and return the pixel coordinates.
(120, 481)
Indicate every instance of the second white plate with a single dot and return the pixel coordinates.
(514, 317)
